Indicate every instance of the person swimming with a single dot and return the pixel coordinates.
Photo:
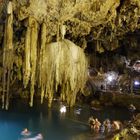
(102, 128)
(116, 125)
(97, 125)
(107, 125)
(25, 132)
(38, 137)
(132, 108)
(91, 122)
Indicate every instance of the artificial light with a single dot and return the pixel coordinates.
(63, 109)
(110, 78)
(136, 83)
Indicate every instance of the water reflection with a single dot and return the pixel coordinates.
(88, 136)
(50, 123)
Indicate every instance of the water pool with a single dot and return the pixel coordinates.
(51, 123)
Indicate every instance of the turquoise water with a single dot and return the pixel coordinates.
(50, 122)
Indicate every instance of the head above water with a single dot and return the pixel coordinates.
(96, 119)
(25, 130)
(107, 120)
(39, 136)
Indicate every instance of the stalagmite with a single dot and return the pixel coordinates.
(7, 55)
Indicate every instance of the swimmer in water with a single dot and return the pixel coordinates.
(25, 132)
(38, 137)
(132, 108)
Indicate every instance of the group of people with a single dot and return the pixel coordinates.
(106, 127)
(26, 133)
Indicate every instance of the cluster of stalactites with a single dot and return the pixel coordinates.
(63, 65)
(60, 64)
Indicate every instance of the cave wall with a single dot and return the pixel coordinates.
(112, 27)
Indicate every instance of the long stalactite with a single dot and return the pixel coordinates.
(27, 65)
(7, 56)
(42, 58)
(34, 40)
(31, 56)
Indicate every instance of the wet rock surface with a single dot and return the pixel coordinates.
(131, 131)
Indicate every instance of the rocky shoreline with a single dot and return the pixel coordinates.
(131, 131)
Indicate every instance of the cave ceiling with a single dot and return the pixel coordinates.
(105, 21)
(28, 26)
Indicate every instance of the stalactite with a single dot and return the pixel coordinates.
(4, 82)
(84, 43)
(99, 47)
(58, 33)
(8, 85)
(62, 31)
(7, 56)
(34, 38)
(27, 65)
(29, 70)
(42, 58)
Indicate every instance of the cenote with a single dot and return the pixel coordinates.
(73, 125)
(85, 53)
